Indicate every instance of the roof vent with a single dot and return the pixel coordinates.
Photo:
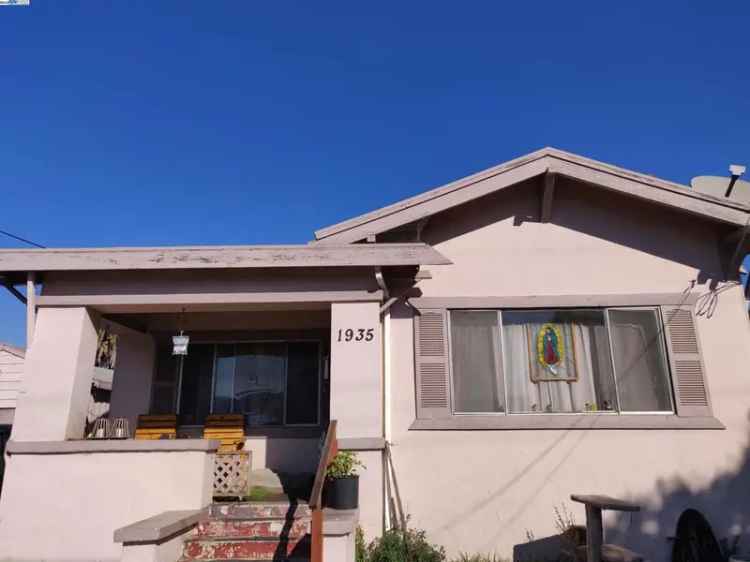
(718, 186)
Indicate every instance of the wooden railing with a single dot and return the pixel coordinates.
(330, 448)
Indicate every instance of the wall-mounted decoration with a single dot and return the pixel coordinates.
(551, 353)
(106, 349)
(101, 380)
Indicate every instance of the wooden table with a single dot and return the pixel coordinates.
(595, 504)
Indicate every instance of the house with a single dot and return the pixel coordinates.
(550, 326)
(11, 375)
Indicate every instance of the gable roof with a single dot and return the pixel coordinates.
(546, 160)
(13, 350)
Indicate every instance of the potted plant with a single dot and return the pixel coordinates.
(342, 481)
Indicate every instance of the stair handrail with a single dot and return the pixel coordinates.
(329, 450)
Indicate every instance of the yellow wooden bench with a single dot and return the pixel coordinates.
(156, 427)
(229, 429)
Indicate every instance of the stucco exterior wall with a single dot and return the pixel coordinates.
(134, 372)
(484, 490)
(65, 507)
(206, 281)
(55, 395)
(596, 243)
(356, 382)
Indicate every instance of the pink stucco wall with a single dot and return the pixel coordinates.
(484, 490)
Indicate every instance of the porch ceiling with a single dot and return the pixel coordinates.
(15, 261)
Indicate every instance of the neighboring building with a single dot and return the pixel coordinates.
(550, 326)
(11, 376)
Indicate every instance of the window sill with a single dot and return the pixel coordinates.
(563, 421)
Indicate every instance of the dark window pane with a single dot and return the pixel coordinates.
(224, 379)
(640, 361)
(302, 383)
(164, 388)
(558, 361)
(195, 390)
(477, 373)
(259, 382)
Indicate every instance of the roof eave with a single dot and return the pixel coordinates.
(13, 262)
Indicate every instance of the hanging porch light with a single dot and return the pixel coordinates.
(180, 341)
(180, 344)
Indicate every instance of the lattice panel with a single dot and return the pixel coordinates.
(231, 474)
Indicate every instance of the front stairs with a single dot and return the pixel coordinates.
(273, 530)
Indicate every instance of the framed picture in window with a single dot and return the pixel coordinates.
(552, 352)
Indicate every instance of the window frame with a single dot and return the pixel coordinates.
(605, 310)
(285, 342)
(665, 359)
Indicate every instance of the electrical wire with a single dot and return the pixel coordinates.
(24, 240)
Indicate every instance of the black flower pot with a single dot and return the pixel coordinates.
(341, 493)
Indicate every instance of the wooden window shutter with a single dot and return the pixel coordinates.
(686, 363)
(431, 364)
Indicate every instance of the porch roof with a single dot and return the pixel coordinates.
(16, 261)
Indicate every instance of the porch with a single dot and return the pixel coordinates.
(271, 366)
(287, 337)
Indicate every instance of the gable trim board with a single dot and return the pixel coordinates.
(545, 161)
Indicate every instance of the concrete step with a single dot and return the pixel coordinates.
(251, 528)
(246, 549)
(280, 509)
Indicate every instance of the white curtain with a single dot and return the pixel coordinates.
(582, 359)
(477, 366)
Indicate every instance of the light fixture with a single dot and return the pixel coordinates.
(180, 342)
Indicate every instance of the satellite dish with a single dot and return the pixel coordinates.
(717, 187)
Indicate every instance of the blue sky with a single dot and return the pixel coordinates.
(228, 122)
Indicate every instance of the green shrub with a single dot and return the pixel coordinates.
(404, 546)
(344, 463)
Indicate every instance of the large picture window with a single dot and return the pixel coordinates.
(272, 383)
(558, 361)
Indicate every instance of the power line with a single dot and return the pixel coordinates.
(21, 239)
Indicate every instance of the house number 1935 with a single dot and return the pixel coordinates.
(356, 334)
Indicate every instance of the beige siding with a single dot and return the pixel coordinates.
(11, 377)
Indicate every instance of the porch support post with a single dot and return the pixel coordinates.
(30, 307)
(356, 388)
(57, 380)
(357, 398)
